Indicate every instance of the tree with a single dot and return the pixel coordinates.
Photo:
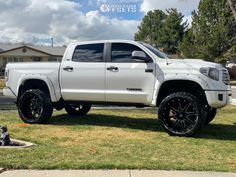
(187, 44)
(212, 32)
(232, 7)
(229, 55)
(151, 27)
(172, 31)
(162, 30)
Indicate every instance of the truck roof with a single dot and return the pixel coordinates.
(104, 41)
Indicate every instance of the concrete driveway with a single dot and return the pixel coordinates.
(5, 100)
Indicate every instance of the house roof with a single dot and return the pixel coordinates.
(55, 51)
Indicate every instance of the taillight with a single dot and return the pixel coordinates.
(6, 74)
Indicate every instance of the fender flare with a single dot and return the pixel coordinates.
(48, 82)
(180, 77)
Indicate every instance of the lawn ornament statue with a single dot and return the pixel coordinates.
(5, 137)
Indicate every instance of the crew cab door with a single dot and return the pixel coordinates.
(83, 76)
(128, 80)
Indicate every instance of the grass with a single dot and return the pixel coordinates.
(2, 83)
(8, 107)
(120, 139)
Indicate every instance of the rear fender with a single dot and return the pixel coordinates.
(53, 95)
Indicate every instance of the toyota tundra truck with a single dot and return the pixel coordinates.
(187, 92)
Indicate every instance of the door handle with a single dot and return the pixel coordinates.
(112, 68)
(148, 70)
(68, 68)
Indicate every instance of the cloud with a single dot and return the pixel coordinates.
(189, 19)
(184, 6)
(61, 19)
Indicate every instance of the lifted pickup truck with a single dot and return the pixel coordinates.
(120, 72)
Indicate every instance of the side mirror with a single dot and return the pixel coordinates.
(139, 56)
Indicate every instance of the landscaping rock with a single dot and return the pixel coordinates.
(5, 137)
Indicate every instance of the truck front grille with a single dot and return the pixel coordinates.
(225, 77)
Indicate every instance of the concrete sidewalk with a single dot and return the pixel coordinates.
(112, 173)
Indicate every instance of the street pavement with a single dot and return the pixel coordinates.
(5, 100)
(112, 173)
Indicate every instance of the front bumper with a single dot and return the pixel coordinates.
(9, 93)
(218, 99)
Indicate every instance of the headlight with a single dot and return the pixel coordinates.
(212, 73)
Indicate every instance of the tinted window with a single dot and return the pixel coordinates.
(121, 52)
(155, 51)
(88, 53)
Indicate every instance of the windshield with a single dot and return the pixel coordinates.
(155, 51)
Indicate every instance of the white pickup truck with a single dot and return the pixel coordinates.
(120, 72)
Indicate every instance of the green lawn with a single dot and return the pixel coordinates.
(120, 139)
(2, 83)
(8, 107)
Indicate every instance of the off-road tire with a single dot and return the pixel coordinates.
(35, 107)
(181, 114)
(77, 109)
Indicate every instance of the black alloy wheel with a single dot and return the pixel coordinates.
(34, 106)
(77, 109)
(181, 114)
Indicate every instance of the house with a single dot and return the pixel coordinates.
(28, 53)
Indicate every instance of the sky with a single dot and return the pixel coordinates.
(37, 21)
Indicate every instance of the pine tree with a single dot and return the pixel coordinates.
(162, 30)
(212, 32)
(172, 31)
(151, 27)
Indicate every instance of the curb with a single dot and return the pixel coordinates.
(24, 145)
(115, 173)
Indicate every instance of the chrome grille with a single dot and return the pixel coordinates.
(225, 77)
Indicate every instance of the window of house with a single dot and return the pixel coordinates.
(36, 58)
(52, 59)
(4, 62)
(10, 59)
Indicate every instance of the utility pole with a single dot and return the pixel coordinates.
(52, 41)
